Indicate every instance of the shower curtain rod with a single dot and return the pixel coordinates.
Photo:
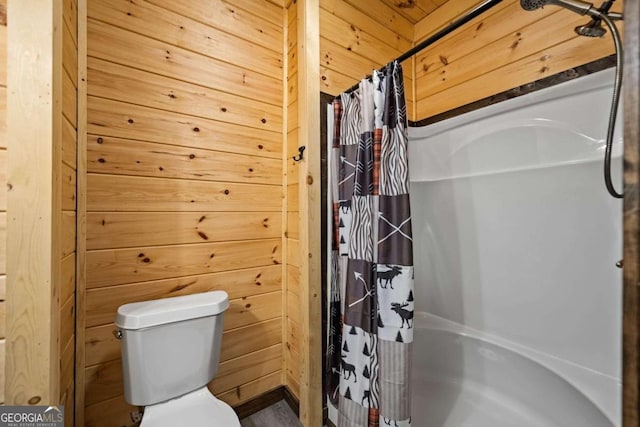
(471, 14)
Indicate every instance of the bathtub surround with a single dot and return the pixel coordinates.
(371, 305)
(498, 200)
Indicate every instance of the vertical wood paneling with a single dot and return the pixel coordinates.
(184, 184)
(309, 189)
(34, 202)
(3, 179)
(3, 182)
(290, 148)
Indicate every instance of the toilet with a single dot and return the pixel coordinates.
(170, 352)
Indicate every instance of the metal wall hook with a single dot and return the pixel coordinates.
(300, 155)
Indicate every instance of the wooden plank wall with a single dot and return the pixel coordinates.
(68, 214)
(184, 155)
(505, 48)
(292, 359)
(357, 37)
(69, 161)
(3, 183)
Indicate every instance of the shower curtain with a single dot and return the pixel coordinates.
(371, 272)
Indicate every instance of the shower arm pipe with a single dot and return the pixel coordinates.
(471, 14)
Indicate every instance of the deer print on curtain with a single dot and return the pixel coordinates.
(371, 283)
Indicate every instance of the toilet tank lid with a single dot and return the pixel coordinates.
(145, 314)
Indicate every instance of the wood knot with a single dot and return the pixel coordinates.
(34, 400)
(101, 160)
(196, 129)
(100, 140)
(260, 147)
(130, 121)
(227, 192)
(146, 260)
(192, 156)
(223, 109)
(263, 120)
(309, 179)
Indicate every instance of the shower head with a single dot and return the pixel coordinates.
(577, 6)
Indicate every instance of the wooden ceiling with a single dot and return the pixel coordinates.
(415, 10)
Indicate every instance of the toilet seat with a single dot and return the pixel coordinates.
(199, 408)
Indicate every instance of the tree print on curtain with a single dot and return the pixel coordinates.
(371, 283)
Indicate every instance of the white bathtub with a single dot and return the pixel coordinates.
(518, 300)
(466, 378)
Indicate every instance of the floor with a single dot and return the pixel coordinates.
(277, 415)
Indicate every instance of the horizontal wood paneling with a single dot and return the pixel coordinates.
(102, 346)
(121, 266)
(375, 19)
(110, 413)
(251, 309)
(505, 48)
(185, 180)
(69, 99)
(68, 277)
(128, 157)
(248, 25)
(70, 54)
(356, 38)
(177, 30)
(109, 80)
(70, 17)
(243, 369)
(533, 67)
(68, 181)
(293, 252)
(68, 233)
(253, 389)
(108, 230)
(378, 11)
(119, 119)
(114, 44)
(141, 194)
(102, 303)
(67, 321)
(68, 156)
(69, 142)
(104, 382)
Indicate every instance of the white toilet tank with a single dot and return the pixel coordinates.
(170, 346)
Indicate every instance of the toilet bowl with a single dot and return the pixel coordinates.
(198, 408)
(170, 352)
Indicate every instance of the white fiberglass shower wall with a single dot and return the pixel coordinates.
(516, 240)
